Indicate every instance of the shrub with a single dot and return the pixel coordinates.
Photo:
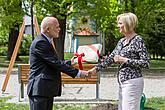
(25, 45)
(3, 51)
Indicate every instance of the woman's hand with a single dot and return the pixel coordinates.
(120, 59)
(92, 71)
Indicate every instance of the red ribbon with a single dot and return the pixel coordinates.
(79, 56)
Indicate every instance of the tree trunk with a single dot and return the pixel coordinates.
(13, 35)
(59, 43)
(154, 56)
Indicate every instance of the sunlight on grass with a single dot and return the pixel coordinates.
(158, 63)
(13, 106)
(68, 56)
(156, 103)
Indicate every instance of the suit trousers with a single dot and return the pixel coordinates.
(40, 103)
(130, 93)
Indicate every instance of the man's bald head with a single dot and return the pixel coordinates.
(50, 27)
(48, 22)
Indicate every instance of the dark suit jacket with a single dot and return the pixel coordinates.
(45, 69)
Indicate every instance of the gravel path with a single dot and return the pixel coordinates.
(153, 87)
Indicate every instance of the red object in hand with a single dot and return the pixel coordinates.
(79, 56)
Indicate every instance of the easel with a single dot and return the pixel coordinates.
(18, 43)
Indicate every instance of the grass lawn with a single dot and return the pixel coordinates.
(158, 64)
(12, 106)
(156, 103)
(151, 104)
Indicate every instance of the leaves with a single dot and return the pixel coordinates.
(11, 13)
(102, 13)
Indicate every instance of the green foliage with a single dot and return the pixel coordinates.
(151, 16)
(2, 58)
(11, 13)
(155, 103)
(68, 56)
(3, 38)
(151, 20)
(24, 59)
(3, 51)
(26, 42)
(103, 13)
(5, 63)
(4, 99)
(56, 8)
(151, 26)
(13, 106)
(157, 64)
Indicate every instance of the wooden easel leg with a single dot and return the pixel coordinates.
(18, 43)
(13, 57)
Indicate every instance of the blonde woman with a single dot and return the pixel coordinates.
(131, 55)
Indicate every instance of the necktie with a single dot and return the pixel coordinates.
(54, 47)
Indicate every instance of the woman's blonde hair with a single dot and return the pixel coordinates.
(129, 20)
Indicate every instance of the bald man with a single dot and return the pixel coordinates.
(45, 68)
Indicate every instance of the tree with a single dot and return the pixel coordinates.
(12, 13)
(104, 13)
(151, 22)
(11, 16)
(151, 26)
(58, 9)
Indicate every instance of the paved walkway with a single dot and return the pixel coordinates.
(154, 87)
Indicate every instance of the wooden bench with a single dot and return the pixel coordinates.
(23, 74)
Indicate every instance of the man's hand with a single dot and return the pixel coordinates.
(84, 74)
(120, 59)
